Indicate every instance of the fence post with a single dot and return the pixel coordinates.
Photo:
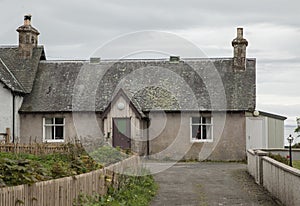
(7, 137)
(259, 165)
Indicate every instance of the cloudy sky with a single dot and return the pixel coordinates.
(73, 29)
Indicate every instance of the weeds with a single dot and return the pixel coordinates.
(132, 190)
(18, 169)
(108, 155)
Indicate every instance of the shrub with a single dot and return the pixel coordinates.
(18, 169)
(21, 171)
(279, 158)
(108, 155)
(296, 145)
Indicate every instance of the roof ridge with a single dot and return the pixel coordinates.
(21, 86)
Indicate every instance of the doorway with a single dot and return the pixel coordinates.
(121, 133)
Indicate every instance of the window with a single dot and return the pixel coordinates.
(201, 129)
(54, 129)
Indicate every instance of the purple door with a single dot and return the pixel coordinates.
(121, 133)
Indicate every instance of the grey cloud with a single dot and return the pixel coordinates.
(74, 29)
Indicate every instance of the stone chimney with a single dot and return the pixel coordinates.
(28, 38)
(239, 50)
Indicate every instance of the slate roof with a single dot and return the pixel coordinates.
(191, 84)
(8, 79)
(16, 73)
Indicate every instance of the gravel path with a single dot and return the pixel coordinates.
(209, 184)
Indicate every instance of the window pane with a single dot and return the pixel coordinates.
(59, 132)
(59, 120)
(49, 121)
(121, 125)
(204, 132)
(195, 120)
(196, 132)
(202, 128)
(206, 120)
(49, 132)
(207, 132)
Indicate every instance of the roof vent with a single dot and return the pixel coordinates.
(95, 60)
(174, 59)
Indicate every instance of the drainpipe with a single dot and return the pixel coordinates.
(13, 120)
(148, 143)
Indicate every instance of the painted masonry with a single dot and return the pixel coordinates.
(51, 101)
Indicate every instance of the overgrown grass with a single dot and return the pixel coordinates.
(108, 155)
(133, 190)
(296, 164)
(18, 169)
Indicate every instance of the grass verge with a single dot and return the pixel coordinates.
(296, 164)
(133, 190)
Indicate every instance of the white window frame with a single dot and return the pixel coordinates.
(201, 124)
(53, 125)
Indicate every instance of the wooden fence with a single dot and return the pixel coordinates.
(6, 136)
(64, 191)
(39, 148)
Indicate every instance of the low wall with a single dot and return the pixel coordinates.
(63, 191)
(281, 180)
(251, 163)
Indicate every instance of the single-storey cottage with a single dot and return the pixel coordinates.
(166, 108)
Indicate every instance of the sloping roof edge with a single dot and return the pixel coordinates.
(275, 116)
(10, 86)
(121, 93)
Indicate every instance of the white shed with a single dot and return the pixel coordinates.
(264, 130)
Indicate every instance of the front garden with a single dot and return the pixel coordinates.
(21, 168)
(284, 160)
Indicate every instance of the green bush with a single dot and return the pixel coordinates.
(296, 145)
(108, 155)
(27, 168)
(279, 158)
(21, 171)
(18, 169)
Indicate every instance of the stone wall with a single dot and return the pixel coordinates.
(170, 137)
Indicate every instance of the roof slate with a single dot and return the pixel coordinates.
(16, 73)
(192, 84)
(8, 79)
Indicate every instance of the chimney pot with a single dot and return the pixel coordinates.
(174, 59)
(95, 60)
(239, 33)
(27, 19)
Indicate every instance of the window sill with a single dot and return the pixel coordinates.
(53, 141)
(201, 140)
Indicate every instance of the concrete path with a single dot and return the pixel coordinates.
(209, 184)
